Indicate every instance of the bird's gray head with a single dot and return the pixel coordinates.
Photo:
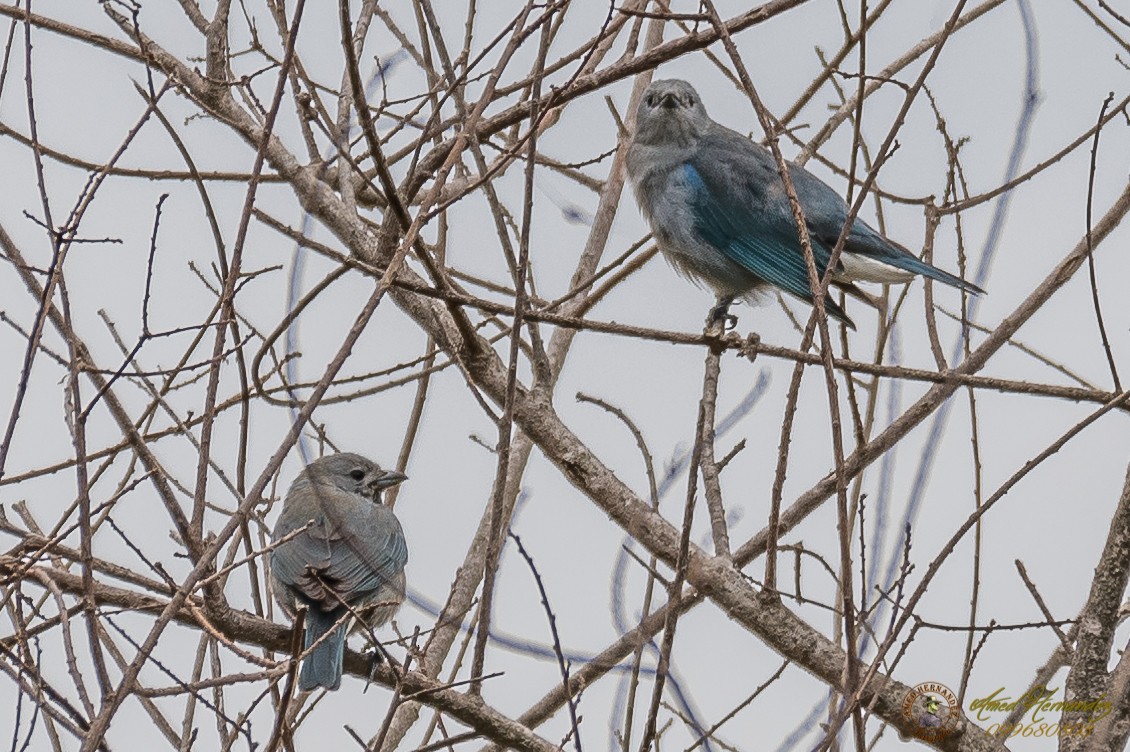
(670, 112)
(352, 473)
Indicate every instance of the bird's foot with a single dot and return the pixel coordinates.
(720, 314)
(376, 658)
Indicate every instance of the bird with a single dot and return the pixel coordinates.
(344, 558)
(720, 214)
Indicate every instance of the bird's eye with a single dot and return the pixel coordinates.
(357, 474)
(650, 100)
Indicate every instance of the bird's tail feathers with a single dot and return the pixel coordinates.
(322, 668)
(937, 274)
(912, 263)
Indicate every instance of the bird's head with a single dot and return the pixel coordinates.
(670, 112)
(353, 473)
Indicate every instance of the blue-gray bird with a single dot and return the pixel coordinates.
(719, 212)
(353, 553)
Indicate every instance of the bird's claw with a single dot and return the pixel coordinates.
(376, 658)
(720, 314)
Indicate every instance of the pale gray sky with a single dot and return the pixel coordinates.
(1054, 521)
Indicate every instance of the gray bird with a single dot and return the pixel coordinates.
(353, 553)
(720, 214)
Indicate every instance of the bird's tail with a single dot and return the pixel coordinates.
(322, 668)
(868, 244)
(912, 263)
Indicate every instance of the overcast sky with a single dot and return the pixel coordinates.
(1054, 521)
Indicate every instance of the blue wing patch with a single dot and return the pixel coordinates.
(763, 243)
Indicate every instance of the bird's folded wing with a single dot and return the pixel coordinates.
(740, 215)
(371, 552)
(354, 547)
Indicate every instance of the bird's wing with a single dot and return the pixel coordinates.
(309, 548)
(825, 213)
(354, 548)
(370, 552)
(741, 209)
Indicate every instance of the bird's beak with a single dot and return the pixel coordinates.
(669, 102)
(389, 479)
